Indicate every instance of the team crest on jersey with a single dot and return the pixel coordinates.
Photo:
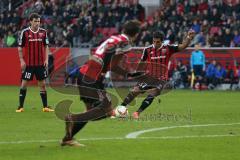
(29, 36)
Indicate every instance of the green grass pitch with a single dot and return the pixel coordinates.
(188, 125)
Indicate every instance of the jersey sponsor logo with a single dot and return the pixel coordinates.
(34, 40)
(158, 57)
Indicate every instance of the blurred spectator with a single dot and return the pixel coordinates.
(101, 20)
(146, 38)
(196, 26)
(214, 17)
(228, 37)
(39, 6)
(1, 31)
(68, 35)
(216, 40)
(231, 76)
(48, 9)
(110, 20)
(176, 79)
(210, 74)
(72, 74)
(1, 6)
(238, 74)
(182, 69)
(220, 74)
(88, 32)
(10, 40)
(170, 36)
(16, 19)
(236, 39)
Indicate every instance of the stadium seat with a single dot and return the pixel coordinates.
(74, 20)
(214, 30)
(113, 31)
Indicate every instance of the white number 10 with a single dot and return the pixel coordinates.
(27, 75)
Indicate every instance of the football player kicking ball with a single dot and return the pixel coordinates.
(90, 82)
(154, 61)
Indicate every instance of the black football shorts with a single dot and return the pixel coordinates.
(40, 73)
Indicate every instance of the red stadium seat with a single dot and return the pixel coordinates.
(112, 31)
(47, 20)
(105, 32)
(74, 20)
(214, 30)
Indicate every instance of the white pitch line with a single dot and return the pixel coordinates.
(190, 136)
(120, 138)
(58, 140)
(137, 133)
(29, 141)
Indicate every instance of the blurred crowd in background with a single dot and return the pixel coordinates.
(86, 23)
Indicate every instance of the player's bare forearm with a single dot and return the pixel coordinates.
(47, 53)
(187, 40)
(20, 53)
(46, 56)
(140, 70)
(141, 66)
(22, 62)
(184, 45)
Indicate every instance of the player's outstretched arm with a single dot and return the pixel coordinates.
(140, 71)
(187, 40)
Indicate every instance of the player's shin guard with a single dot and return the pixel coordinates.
(146, 102)
(78, 126)
(43, 95)
(22, 96)
(128, 99)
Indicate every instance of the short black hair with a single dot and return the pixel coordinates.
(158, 34)
(132, 27)
(34, 15)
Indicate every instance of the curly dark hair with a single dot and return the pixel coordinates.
(132, 27)
(34, 16)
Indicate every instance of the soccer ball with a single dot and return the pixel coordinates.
(121, 111)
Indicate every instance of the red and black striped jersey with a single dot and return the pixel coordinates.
(34, 46)
(158, 59)
(100, 61)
